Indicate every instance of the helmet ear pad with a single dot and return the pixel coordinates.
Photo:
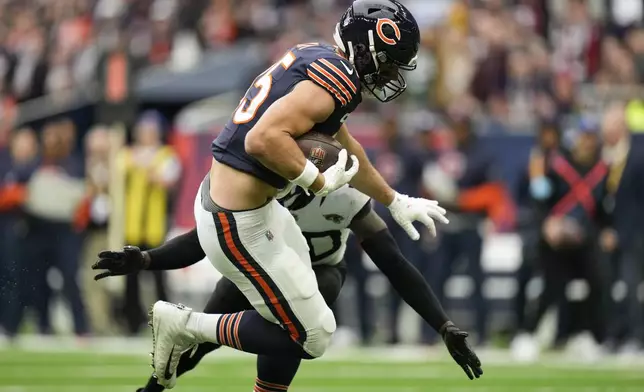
(363, 60)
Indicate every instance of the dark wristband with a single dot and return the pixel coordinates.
(146, 260)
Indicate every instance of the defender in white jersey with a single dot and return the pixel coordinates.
(326, 223)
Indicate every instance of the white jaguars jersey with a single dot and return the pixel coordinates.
(324, 221)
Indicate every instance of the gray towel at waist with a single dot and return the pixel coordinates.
(209, 205)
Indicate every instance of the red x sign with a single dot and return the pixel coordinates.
(581, 189)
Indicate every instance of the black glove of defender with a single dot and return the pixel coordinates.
(130, 260)
(460, 350)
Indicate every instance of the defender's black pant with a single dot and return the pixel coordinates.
(228, 299)
(560, 266)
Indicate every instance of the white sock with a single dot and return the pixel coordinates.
(203, 326)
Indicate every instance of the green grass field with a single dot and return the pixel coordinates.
(27, 371)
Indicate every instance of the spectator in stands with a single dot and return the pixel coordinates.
(152, 170)
(635, 41)
(529, 92)
(55, 225)
(625, 242)
(576, 39)
(16, 165)
(218, 25)
(617, 65)
(563, 87)
(97, 169)
(27, 42)
(491, 74)
(454, 59)
(161, 14)
(521, 89)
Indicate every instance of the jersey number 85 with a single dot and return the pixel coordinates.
(246, 111)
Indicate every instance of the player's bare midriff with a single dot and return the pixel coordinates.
(235, 190)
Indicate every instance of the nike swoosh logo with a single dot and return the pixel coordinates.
(167, 373)
(349, 70)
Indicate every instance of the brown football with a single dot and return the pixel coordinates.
(321, 149)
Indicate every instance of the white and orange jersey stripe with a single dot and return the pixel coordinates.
(336, 76)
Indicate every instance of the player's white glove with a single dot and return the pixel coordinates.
(337, 176)
(406, 210)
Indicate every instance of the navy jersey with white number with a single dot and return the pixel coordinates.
(321, 64)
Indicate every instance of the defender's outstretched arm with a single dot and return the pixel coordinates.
(377, 242)
(179, 252)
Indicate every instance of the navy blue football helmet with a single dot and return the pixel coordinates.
(380, 38)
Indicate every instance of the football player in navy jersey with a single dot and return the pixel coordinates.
(248, 236)
(325, 223)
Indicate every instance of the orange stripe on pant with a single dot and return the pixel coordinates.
(236, 330)
(229, 331)
(270, 385)
(222, 329)
(295, 334)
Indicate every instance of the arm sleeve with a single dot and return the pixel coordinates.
(336, 76)
(365, 210)
(180, 252)
(405, 278)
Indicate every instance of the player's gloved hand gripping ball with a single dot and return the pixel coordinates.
(338, 175)
(125, 262)
(406, 210)
(460, 350)
(324, 155)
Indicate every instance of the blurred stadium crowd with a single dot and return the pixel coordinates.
(522, 119)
